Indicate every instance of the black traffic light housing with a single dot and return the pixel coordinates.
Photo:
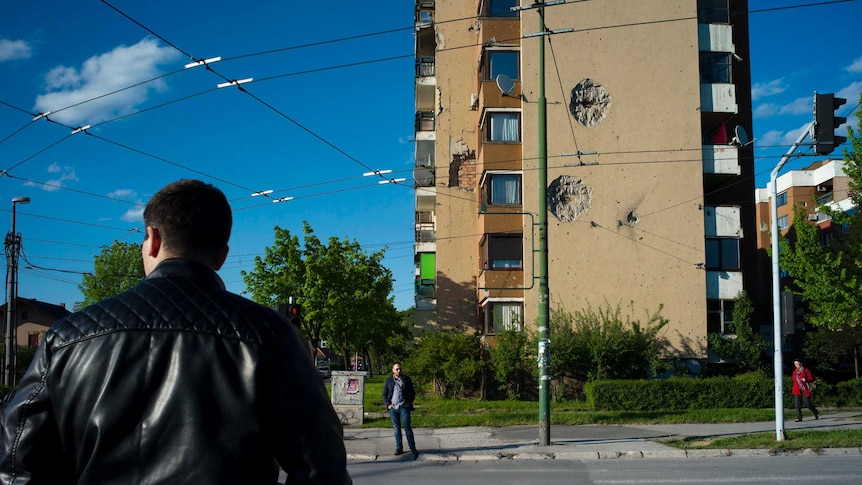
(825, 123)
(294, 314)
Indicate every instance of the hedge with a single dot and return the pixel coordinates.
(753, 390)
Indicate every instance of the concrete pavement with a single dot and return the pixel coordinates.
(587, 442)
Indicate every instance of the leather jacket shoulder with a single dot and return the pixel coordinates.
(176, 380)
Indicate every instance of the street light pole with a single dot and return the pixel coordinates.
(778, 358)
(13, 248)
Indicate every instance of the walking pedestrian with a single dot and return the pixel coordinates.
(175, 380)
(802, 381)
(398, 397)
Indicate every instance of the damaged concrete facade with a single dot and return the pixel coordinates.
(634, 221)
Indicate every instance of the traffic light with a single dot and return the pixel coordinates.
(294, 314)
(825, 123)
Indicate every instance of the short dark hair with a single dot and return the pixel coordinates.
(193, 218)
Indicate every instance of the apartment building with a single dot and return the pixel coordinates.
(650, 178)
(822, 183)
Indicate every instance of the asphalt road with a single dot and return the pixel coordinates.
(778, 470)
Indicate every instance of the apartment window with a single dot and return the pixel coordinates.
(722, 254)
(504, 127)
(505, 251)
(719, 316)
(502, 8)
(502, 62)
(713, 12)
(781, 199)
(715, 68)
(782, 222)
(503, 189)
(503, 316)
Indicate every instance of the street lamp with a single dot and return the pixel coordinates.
(13, 248)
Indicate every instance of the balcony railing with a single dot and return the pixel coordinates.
(425, 121)
(425, 67)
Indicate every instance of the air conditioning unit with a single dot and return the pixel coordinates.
(812, 217)
(474, 101)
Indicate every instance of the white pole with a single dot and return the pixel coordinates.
(778, 362)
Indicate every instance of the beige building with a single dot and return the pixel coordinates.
(650, 194)
(821, 183)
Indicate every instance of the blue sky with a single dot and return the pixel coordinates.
(315, 118)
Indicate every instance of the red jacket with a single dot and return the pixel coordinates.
(804, 376)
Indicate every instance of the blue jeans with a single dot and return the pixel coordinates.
(401, 418)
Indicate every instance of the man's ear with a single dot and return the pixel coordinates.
(221, 259)
(153, 243)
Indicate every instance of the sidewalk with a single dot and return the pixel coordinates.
(587, 442)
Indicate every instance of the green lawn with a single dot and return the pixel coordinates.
(433, 412)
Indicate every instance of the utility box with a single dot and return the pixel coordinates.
(348, 395)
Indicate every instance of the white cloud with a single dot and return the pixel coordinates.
(99, 75)
(776, 138)
(851, 94)
(798, 106)
(123, 194)
(760, 90)
(11, 50)
(133, 215)
(62, 175)
(855, 66)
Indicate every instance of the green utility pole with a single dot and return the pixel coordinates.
(544, 304)
(543, 309)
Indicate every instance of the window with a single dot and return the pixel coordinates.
(503, 189)
(503, 127)
(722, 253)
(502, 8)
(504, 251)
(502, 62)
(713, 12)
(503, 316)
(781, 199)
(782, 222)
(719, 316)
(715, 68)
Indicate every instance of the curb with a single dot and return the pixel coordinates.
(615, 455)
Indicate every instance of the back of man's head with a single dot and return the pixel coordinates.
(193, 219)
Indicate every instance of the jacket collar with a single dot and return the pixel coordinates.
(187, 268)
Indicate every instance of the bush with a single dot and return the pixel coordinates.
(509, 362)
(450, 360)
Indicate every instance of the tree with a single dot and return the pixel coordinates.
(604, 344)
(509, 361)
(118, 268)
(449, 359)
(344, 291)
(833, 347)
(829, 276)
(746, 348)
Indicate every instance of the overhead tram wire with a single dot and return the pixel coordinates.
(241, 88)
(360, 36)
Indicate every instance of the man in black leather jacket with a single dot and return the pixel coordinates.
(176, 380)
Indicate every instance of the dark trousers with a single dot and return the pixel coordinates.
(401, 418)
(798, 401)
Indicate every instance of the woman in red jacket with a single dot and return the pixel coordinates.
(802, 379)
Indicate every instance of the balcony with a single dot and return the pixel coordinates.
(723, 285)
(721, 160)
(715, 38)
(425, 121)
(718, 98)
(425, 67)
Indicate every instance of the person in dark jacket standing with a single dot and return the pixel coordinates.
(802, 380)
(176, 380)
(398, 397)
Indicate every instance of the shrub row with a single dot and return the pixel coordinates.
(753, 390)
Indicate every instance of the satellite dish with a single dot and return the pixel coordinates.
(740, 137)
(423, 176)
(505, 84)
